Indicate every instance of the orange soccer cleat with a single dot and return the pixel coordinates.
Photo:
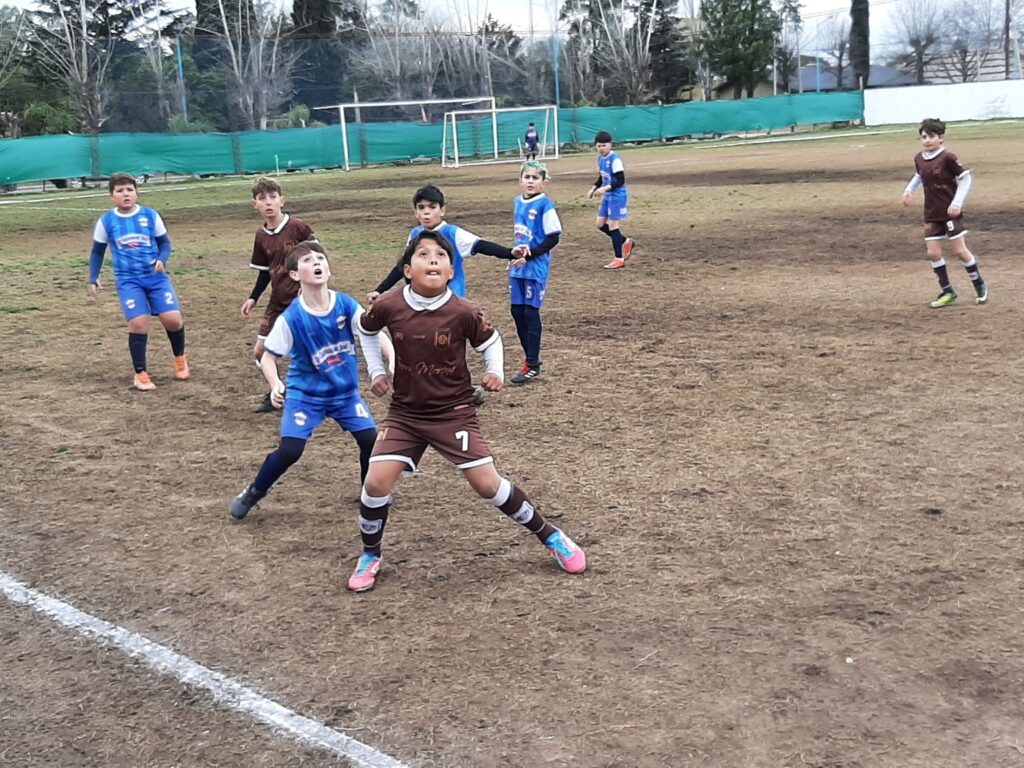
(615, 264)
(142, 382)
(180, 367)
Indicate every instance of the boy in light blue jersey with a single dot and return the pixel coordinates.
(611, 187)
(537, 231)
(139, 248)
(317, 332)
(430, 207)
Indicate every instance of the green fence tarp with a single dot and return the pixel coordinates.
(55, 157)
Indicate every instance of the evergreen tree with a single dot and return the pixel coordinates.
(739, 39)
(669, 67)
(860, 43)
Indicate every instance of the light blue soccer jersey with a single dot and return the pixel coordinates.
(462, 243)
(608, 167)
(132, 240)
(535, 219)
(322, 349)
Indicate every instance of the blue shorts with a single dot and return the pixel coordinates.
(301, 417)
(525, 291)
(614, 205)
(149, 295)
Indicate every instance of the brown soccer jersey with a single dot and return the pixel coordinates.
(269, 251)
(431, 375)
(939, 177)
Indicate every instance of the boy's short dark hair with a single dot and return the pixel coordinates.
(119, 180)
(531, 125)
(430, 193)
(426, 234)
(603, 137)
(291, 262)
(264, 186)
(932, 125)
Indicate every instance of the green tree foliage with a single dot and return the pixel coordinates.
(320, 68)
(740, 39)
(860, 43)
(670, 68)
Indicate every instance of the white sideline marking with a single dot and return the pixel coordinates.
(223, 689)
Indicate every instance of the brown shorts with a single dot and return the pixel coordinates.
(938, 230)
(457, 437)
(271, 314)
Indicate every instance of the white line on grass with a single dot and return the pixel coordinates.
(221, 688)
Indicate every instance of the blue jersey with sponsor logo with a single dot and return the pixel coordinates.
(535, 219)
(608, 167)
(132, 240)
(322, 348)
(462, 243)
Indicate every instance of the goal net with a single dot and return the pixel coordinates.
(385, 140)
(478, 136)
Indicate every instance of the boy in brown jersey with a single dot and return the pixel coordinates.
(432, 402)
(946, 183)
(275, 238)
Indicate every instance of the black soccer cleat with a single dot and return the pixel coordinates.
(265, 405)
(246, 500)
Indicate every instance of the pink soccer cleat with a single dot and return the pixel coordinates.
(365, 575)
(570, 557)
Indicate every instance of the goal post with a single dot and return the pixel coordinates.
(481, 136)
(355, 108)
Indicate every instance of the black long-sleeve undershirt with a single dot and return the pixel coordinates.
(262, 281)
(618, 180)
(485, 247)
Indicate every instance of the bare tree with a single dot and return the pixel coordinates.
(834, 39)
(407, 54)
(12, 40)
(917, 25)
(251, 39)
(66, 48)
(628, 38)
(971, 36)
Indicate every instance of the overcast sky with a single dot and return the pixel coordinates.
(543, 14)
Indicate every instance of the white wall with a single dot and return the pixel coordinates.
(960, 101)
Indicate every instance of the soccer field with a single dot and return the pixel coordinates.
(800, 490)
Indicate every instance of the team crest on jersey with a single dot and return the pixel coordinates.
(443, 337)
(300, 418)
(143, 221)
(532, 214)
(399, 335)
(342, 319)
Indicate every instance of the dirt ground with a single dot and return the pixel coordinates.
(800, 490)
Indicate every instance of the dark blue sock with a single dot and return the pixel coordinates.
(617, 241)
(137, 349)
(365, 438)
(277, 462)
(519, 315)
(604, 228)
(177, 341)
(533, 331)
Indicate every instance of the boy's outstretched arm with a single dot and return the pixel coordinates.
(488, 248)
(396, 274)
